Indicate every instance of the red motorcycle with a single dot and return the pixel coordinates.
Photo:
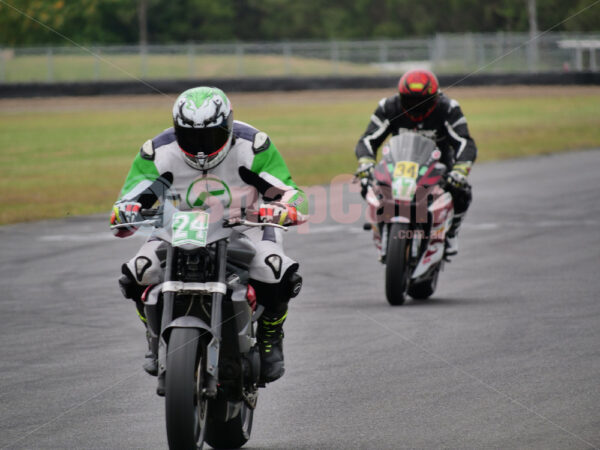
(411, 212)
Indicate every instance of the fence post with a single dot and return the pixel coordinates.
(97, 64)
(593, 66)
(579, 58)
(190, 53)
(383, 52)
(239, 58)
(2, 64)
(287, 58)
(144, 60)
(335, 57)
(480, 51)
(438, 51)
(469, 51)
(49, 65)
(532, 55)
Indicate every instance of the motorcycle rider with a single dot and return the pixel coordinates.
(421, 107)
(209, 160)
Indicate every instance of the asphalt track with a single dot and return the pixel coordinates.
(506, 354)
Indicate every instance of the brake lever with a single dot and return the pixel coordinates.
(134, 224)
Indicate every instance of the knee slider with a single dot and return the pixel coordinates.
(275, 296)
(462, 199)
(129, 286)
(291, 282)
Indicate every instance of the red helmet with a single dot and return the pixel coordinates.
(419, 91)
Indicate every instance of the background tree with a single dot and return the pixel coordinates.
(117, 21)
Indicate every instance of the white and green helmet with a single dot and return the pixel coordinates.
(203, 122)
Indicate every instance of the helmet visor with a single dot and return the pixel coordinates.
(418, 105)
(204, 140)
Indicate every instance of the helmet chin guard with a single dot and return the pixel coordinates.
(202, 161)
(203, 123)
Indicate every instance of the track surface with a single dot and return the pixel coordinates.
(506, 355)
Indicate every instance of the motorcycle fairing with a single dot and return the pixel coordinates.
(442, 213)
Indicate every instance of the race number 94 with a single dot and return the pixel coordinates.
(190, 227)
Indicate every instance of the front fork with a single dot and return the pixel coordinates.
(416, 236)
(213, 347)
(216, 322)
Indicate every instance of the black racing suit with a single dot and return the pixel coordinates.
(446, 125)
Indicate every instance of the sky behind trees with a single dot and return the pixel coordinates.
(117, 21)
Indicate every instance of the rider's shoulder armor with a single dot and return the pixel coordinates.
(148, 150)
(390, 106)
(259, 139)
(446, 104)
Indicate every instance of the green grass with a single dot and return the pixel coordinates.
(60, 161)
(117, 67)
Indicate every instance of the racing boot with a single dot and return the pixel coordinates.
(452, 236)
(150, 358)
(135, 292)
(270, 343)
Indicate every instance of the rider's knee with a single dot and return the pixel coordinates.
(129, 286)
(462, 199)
(275, 296)
(291, 283)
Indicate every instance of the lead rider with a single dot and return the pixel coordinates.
(209, 161)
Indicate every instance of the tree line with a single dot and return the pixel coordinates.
(43, 22)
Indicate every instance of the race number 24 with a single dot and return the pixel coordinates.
(190, 227)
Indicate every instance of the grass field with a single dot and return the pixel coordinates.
(69, 156)
(118, 67)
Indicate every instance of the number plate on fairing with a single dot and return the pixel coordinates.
(190, 227)
(408, 169)
(404, 184)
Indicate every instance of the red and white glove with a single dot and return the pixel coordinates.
(279, 213)
(125, 212)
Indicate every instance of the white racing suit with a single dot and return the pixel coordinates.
(252, 170)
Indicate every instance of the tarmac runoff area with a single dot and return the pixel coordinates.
(505, 355)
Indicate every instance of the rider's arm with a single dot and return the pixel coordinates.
(141, 174)
(377, 131)
(143, 186)
(271, 177)
(461, 140)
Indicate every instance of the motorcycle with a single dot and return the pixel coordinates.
(412, 211)
(202, 321)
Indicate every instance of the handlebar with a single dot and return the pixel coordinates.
(134, 224)
(230, 223)
(227, 223)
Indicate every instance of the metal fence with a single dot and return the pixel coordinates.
(443, 53)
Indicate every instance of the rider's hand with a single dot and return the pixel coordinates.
(279, 213)
(126, 212)
(457, 179)
(365, 167)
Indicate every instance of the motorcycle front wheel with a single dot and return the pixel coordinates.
(185, 407)
(231, 434)
(397, 270)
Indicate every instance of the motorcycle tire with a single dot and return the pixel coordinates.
(397, 264)
(231, 434)
(424, 289)
(185, 410)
